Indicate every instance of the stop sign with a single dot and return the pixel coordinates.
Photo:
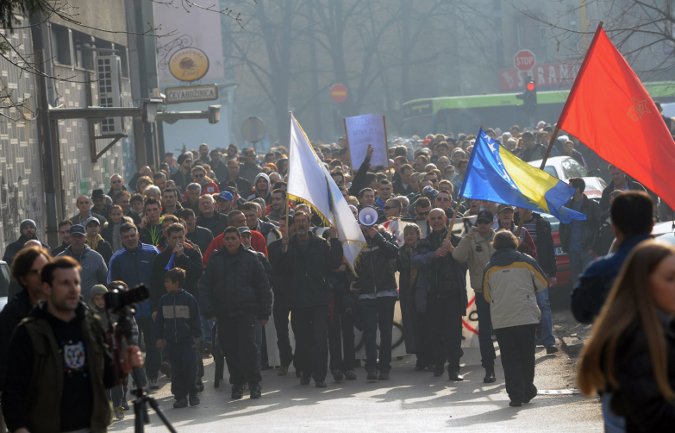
(338, 92)
(524, 60)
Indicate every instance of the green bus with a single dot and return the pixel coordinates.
(468, 113)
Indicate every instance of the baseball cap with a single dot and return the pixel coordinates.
(244, 231)
(485, 216)
(92, 219)
(502, 207)
(77, 229)
(225, 195)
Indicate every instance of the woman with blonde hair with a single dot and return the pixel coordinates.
(630, 357)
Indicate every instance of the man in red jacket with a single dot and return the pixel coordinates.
(236, 218)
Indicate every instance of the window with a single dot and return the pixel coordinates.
(61, 44)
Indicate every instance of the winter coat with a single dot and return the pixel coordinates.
(476, 251)
(308, 266)
(444, 278)
(375, 266)
(510, 283)
(235, 284)
(177, 319)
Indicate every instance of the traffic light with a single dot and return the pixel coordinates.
(529, 96)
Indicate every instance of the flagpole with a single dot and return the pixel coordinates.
(284, 244)
(563, 113)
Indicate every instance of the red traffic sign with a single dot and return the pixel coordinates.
(524, 60)
(338, 93)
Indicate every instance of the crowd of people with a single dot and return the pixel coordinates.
(213, 237)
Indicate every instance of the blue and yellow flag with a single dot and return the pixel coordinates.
(497, 175)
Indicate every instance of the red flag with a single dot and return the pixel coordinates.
(610, 111)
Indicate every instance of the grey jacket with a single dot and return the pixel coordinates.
(510, 284)
(475, 250)
(94, 270)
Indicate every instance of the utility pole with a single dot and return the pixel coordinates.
(50, 149)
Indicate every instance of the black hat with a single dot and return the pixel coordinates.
(485, 216)
(77, 229)
(97, 193)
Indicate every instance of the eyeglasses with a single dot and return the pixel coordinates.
(442, 199)
(199, 175)
(391, 207)
(423, 214)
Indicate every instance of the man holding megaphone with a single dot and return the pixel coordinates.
(376, 287)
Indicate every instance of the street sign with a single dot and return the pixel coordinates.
(524, 60)
(339, 93)
(253, 129)
(206, 92)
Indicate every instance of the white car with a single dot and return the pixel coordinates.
(566, 168)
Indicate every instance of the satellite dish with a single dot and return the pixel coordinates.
(368, 216)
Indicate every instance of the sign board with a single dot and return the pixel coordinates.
(364, 130)
(547, 76)
(253, 129)
(339, 93)
(206, 92)
(189, 64)
(524, 60)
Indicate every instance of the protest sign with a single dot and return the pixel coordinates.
(363, 130)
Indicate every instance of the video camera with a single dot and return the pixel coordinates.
(118, 298)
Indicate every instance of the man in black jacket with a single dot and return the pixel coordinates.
(282, 304)
(28, 231)
(445, 281)
(26, 269)
(236, 291)
(308, 259)
(377, 297)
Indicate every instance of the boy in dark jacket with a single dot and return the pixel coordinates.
(177, 328)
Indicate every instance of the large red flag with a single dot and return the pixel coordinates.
(610, 111)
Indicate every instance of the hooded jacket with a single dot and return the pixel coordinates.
(475, 250)
(255, 193)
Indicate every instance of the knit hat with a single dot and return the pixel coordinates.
(97, 289)
(27, 223)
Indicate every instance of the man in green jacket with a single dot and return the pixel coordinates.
(60, 336)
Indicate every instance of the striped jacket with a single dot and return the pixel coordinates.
(510, 282)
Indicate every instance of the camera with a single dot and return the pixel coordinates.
(118, 298)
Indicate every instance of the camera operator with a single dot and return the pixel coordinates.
(61, 336)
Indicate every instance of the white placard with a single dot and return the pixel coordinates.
(363, 130)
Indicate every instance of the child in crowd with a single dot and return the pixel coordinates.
(178, 327)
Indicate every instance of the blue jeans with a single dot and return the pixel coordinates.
(613, 422)
(545, 329)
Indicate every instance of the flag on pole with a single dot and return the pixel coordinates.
(497, 175)
(310, 182)
(610, 111)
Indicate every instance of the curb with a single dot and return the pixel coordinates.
(571, 345)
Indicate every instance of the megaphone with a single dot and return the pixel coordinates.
(368, 216)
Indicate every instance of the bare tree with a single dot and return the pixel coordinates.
(644, 31)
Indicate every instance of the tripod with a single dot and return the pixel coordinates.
(141, 411)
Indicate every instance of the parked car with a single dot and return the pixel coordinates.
(566, 168)
(4, 283)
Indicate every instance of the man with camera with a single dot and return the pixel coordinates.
(60, 365)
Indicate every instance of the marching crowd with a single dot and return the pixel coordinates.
(211, 235)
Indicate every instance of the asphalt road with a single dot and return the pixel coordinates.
(408, 402)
